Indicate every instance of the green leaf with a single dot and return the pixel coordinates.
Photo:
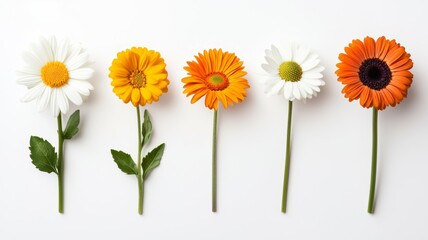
(152, 160)
(43, 155)
(147, 128)
(72, 127)
(124, 162)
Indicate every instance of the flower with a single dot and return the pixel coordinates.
(295, 74)
(139, 75)
(55, 72)
(376, 72)
(218, 76)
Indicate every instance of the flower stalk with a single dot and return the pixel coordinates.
(214, 164)
(139, 168)
(287, 159)
(370, 208)
(60, 165)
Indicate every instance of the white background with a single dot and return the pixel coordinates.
(331, 140)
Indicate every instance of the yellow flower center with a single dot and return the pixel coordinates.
(290, 71)
(138, 79)
(217, 81)
(55, 74)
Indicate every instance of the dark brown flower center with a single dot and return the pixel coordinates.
(375, 73)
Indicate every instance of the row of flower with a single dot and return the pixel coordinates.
(375, 72)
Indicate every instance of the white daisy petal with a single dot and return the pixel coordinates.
(81, 87)
(72, 94)
(276, 54)
(54, 103)
(301, 54)
(305, 86)
(272, 63)
(309, 65)
(78, 61)
(287, 53)
(62, 100)
(276, 88)
(81, 73)
(314, 75)
(44, 100)
(29, 80)
(28, 70)
(302, 91)
(288, 90)
(32, 60)
(296, 92)
(269, 69)
(62, 51)
(33, 93)
(46, 49)
(315, 82)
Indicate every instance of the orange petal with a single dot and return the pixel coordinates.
(370, 47)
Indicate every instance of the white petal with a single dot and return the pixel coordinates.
(33, 93)
(306, 87)
(81, 87)
(46, 48)
(315, 82)
(32, 60)
(276, 54)
(302, 90)
(72, 94)
(301, 54)
(272, 63)
(29, 80)
(75, 50)
(269, 69)
(62, 51)
(276, 89)
(77, 61)
(43, 101)
(317, 69)
(54, 103)
(62, 100)
(81, 73)
(296, 91)
(272, 81)
(287, 54)
(313, 75)
(307, 65)
(29, 70)
(288, 90)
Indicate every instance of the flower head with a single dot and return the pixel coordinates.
(55, 73)
(218, 76)
(294, 73)
(139, 75)
(376, 72)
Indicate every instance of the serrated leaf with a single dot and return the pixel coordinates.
(43, 155)
(72, 127)
(152, 160)
(147, 128)
(124, 162)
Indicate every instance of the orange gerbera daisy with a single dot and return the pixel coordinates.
(376, 72)
(139, 75)
(218, 76)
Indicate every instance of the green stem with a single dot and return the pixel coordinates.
(140, 175)
(287, 160)
(214, 164)
(374, 163)
(60, 166)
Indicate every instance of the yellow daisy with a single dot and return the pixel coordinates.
(139, 75)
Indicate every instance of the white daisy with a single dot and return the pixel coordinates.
(295, 72)
(55, 73)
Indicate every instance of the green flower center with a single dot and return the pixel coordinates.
(138, 79)
(290, 71)
(216, 79)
